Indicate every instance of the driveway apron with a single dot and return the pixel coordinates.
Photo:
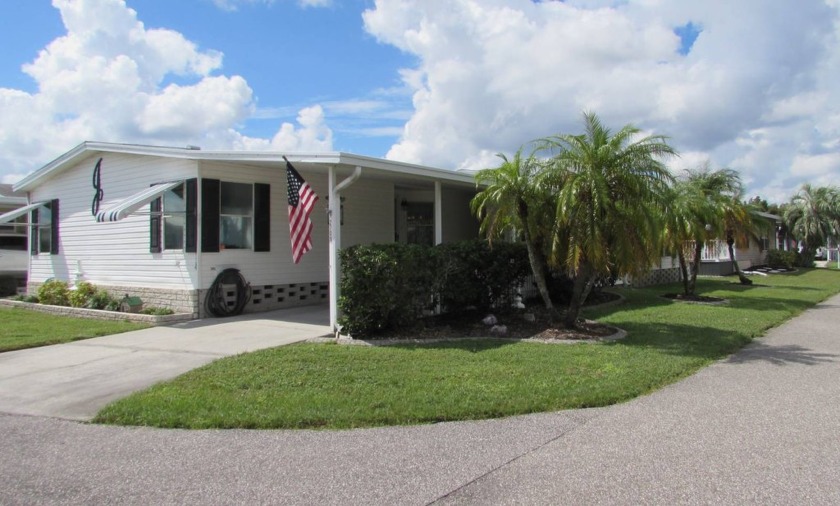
(75, 380)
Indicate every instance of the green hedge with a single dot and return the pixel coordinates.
(390, 286)
(779, 259)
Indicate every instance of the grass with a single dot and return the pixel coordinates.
(21, 328)
(333, 386)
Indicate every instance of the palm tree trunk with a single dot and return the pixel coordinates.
(538, 265)
(730, 241)
(683, 271)
(695, 268)
(583, 285)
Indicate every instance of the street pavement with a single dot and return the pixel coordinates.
(762, 427)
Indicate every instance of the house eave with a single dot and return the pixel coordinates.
(325, 159)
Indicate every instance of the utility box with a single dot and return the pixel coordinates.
(130, 304)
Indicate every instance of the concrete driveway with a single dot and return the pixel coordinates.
(75, 380)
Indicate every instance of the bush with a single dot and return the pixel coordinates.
(778, 259)
(385, 286)
(54, 293)
(102, 300)
(157, 311)
(81, 294)
(390, 286)
(474, 274)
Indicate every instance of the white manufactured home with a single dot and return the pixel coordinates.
(163, 223)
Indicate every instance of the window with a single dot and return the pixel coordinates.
(44, 229)
(236, 217)
(174, 218)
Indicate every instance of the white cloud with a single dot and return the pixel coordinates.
(233, 5)
(105, 80)
(311, 134)
(757, 91)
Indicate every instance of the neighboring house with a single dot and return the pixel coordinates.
(172, 219)
(750, 250)
(13, 258)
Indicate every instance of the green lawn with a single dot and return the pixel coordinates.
(20, 328)
(333, 386)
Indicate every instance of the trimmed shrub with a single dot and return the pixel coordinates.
(54, 293)
(778, 259)
(475, 274)
(81, 294)
(102, 300)
(390, 286)
(385, 286)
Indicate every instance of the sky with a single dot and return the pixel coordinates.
(750, 85)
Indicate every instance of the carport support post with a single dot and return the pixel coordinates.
(334, 219)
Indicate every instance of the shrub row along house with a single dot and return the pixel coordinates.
(164, 223)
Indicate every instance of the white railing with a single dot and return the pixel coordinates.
(714, 251)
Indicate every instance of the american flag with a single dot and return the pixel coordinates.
(301, 201)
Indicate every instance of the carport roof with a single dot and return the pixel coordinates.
(313, 161)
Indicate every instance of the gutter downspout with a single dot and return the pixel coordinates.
(335, 238)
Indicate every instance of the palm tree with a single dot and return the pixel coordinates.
(684, 228)
(718, 211)
(813, 216)
(512, 201)
(607, 209)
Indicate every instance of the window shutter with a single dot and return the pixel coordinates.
(155, 218)
(210, 215)
(191, 197)
(54, 227)
(262, 217)
(33, 232)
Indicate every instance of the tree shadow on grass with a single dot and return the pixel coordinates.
(781, 355)
(683, 340)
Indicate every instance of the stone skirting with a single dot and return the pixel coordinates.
(97, 314)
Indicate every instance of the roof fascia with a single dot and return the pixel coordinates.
(325, 158)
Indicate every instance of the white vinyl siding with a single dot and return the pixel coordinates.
(368, 217)
(114, 253)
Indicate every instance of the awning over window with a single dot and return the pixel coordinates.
(11, 215)
(128, 206)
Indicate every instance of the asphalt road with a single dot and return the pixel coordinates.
(762, 427)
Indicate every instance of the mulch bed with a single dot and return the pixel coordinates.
(470, 325)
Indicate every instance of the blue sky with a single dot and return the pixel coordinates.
(749, 85)
(291, 56)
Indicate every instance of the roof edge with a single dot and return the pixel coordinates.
(192, 153)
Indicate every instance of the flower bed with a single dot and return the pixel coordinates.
(99, 314)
